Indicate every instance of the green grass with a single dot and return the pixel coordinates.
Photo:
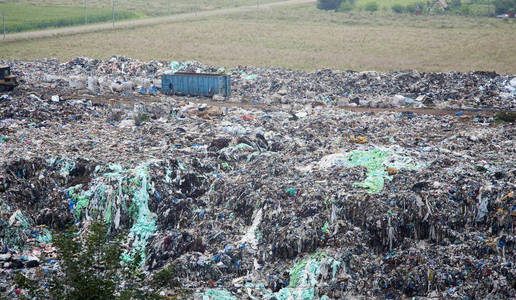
(507, 116)
(480, 9)
(301, 37)
(384, 5)
(21, 17)
(146, 7)
(26, 15)
(389, 3)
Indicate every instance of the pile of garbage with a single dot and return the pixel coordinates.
(301, 202)
(122, 75)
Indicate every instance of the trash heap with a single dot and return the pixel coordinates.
(375, 89)
(124, 76)
(263, 202)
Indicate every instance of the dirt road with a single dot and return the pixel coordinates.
(141, 22)
(129, 101)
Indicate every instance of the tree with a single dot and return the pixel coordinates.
(91, 268)
(505, 6)
(411, 8)
(454, 4)
(397, 8)
(346, 6)
(328, 4)
(371, 6)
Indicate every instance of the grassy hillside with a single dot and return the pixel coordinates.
(149, 8)
(302, 37)
(474, 7)
(21, 17)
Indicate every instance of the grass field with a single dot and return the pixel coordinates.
(26, 15)
(384, 5)
(482, 7)
(21, 17)
(301, 37)
(146, 7)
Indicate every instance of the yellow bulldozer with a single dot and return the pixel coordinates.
(7, 80)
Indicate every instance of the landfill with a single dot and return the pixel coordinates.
(125, 76)
(279, 191)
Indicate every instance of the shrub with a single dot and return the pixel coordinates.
(505, 6)
(141, 118)
(371, 6)
(454, 4)
(346, 6)
(167, 277)
(328, 4)
(397, 8)
(91, 269)
(421, 6)
(465, 10)
(507, 116)
(411, 8)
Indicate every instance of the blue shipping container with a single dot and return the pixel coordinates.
(196, 84)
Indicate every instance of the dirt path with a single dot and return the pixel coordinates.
(129, 101)
(141, 22)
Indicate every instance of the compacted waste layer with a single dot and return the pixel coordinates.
(296, 201)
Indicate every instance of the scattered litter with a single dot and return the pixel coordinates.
(288, 197)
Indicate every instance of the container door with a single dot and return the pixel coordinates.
(206, 86)
(220, 85)
(228, 85)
